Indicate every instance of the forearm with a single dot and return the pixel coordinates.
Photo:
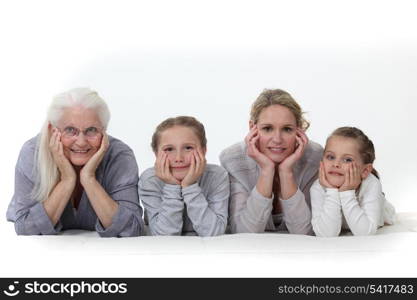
(104, 206)
(327, 212)
(58, 200)
(361, 220)
(208, 220)
(264, 184)
(288, 186)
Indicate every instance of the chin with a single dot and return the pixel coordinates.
(79, 162)
(180, 175)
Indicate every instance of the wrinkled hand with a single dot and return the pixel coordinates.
(323, 178)
(89, 170)
(286, 166)
(252, 141)
(162, 170)
(64, 166)
(198, 164)
(352, 178)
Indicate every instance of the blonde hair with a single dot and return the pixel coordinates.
(185, 121)
(366, 147)
(46, 171)
(278, 97)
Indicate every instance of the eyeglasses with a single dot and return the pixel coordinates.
(91, 133)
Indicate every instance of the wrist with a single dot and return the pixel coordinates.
(87, 179)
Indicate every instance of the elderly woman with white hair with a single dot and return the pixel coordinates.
(74, 176)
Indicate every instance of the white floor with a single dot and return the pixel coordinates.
(78, 253)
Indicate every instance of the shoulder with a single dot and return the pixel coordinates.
(119, 151)
(27, 153)
(118, 165)
(148, 174)
(313, 152)
(234, 158)
(371, 183)
(215, 171)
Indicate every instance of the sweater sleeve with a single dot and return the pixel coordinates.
(163, 206)
(249, 212)
(363, 217)
(121, 183)
(208, 214)
(326, 211)
(29, 216)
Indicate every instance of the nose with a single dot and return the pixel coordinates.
(179, 158)
(81, 140)
(277, 137)
(336, 163)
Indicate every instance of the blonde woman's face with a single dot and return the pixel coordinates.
(178, 142)
(277, 129)
(81, 134)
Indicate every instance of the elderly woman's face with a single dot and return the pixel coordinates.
(81, 134)
(277, 128)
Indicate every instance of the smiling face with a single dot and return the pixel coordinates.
(178, 142)
(79, 148)
(277, 129)
(341, 152)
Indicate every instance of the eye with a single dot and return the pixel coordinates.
(329, 157)
(189, 148)
(266, 128)
(348, 160)
(168, 149)
(288, 129)
(91, 131)
(70, 131)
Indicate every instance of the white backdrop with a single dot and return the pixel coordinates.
(346, 62)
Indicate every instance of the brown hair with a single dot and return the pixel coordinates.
(366, 147)
(278, 97)
(185, 121)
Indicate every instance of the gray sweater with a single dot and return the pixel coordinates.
(250, 211)
(117, 173)
(200, 208)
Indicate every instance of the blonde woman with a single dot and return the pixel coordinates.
(272, 170)
(74, 176)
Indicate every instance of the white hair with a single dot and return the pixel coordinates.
(46, 171)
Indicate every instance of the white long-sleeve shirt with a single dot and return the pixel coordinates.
(362, 213)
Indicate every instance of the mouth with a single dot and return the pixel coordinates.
(277, 150)
(180, 168)
(335, 173)
(80, 151)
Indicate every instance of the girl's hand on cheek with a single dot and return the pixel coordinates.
(198, 164)
(162, 169)
(286, 166)
(352, 178)
(322, 177)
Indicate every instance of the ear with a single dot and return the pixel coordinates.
(204, 151)
(251, 124)
(367, 170)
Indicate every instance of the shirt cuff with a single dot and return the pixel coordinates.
(42, 220)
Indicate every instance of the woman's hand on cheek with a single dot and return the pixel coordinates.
(64, 166)
(252, 143)
(197, 166)
(322, 177)
(286, 166)
(88, 172)
(162, 169)
(352, 178)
